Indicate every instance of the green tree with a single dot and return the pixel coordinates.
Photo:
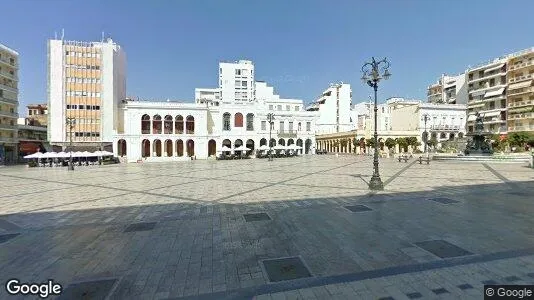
(530, 142)
(403, 144)
(412, 141)
(390, 143)
(370, 142)
(433, 142)
(518, 139)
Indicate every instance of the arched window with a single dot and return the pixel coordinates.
(250, 122)
(190, 125)
(299, 128)
(179, 125)
(226, 121)
(121, 147)
(443, 135)
(167, 125)
(145, 124)
(156, 124)
(238, 120)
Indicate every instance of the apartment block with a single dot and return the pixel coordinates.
(37, 115)
(9, 67)
(448, 90)
(334, 106)
(520, 93)
(86, 82)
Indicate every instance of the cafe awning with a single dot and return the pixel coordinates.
(494, 93)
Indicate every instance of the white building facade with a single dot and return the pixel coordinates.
(9, 69)
(172, 131)
(334, 107)
(86, 82)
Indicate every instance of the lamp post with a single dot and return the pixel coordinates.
(426, 117)
(70, 122)
(270, 117)
(373, 72)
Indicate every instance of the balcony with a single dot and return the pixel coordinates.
(520, 91)
(520, 66)
(480, 89)
(521, 116)
(4, 139)
(5, 100)
(521, 78)
(521, 103)
(445, 127)
(521, 128)
(9, 114)
(11, 87)
(9, 76)
(8, 127)
(8, 62)
(287, 133)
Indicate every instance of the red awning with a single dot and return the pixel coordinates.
(29, 147)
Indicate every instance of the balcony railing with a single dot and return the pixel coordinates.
(445, 127)
(521, 103)
(10, 76)
(9, 87)
(8, 62)
(9, 114)
(521, 116)
(520, 78)
(519, 66)
(520, 91)
(287, 133)
(521, 128)
(2, 99)
(5, 139)
(7, 126)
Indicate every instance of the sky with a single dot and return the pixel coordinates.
(298, 46)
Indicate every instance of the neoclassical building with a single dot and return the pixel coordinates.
(172, 131)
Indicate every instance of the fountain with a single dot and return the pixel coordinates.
(479, 144)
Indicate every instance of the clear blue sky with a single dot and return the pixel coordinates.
(298, 46)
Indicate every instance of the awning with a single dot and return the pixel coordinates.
(520, 85)
(494, 93)
(471, 118)
(475, 105)
(491, 114)
(478, 93)
(494, 68)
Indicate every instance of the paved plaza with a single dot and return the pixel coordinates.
(294, 228)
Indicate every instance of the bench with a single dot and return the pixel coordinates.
(403, 157)
(422, 159)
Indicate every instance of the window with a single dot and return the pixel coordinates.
(226, 121)
(81, 106)
(297, 108)
(271, 107)
(244, 83)
(30, 112)
(250, 122)
(238, 72)
(492, 105)
(238, 83)
(263, 125)
(299, 127)
(68, 106)
(288, 107)
(290, 126)
(308, 126)
(279, 107)
(220, 70)
(238, 120)
(281, 126)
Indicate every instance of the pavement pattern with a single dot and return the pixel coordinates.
(293, 228)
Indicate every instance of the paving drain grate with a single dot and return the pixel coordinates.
(443, 200)
(440, 291)
(143, 226)
(288, 268)
(442, 249)
(415, 295)
(256, 217)
(465, 286)
(94, 290)
(358, 208)
(6, 237)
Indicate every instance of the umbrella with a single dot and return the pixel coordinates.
(77, 154)
(62, 154)
(107, 153)
(225, 148)
(242, 148)
(264, 147)
(49, 155)
(279, 147)
(34, 155)
(87, 154)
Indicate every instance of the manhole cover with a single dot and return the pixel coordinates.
(358, 208)
(444, 200)
(144, 226)
(6, 237)
(442, 248)
(88, 290)
(289, 268)
(256, 217)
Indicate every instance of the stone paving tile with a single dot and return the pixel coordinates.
(201, 244)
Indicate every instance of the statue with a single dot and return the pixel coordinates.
(479, 124)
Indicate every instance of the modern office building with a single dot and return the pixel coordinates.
(448, 90)
(86, 82)
(334, 107)
(233, 115)
(9, 66)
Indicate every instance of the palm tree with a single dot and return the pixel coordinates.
(390, 143)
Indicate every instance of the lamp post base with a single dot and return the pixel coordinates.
(376, 183)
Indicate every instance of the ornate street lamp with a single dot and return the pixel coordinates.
(426, 117)
(270, 117)
(70, 122)
(373, 72)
